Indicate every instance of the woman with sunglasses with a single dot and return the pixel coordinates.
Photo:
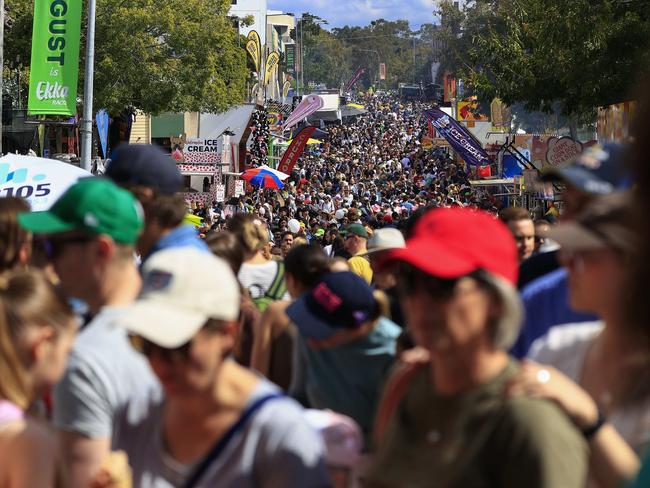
(608, 358)
(216, 423)
(446, 420)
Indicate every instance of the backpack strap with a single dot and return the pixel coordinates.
(278, 287)
(394, 392)
(225, 439)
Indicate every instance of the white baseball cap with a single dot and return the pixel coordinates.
(182, 288)
(385, 239)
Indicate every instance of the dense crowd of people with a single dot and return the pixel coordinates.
(371, 170)
(377, 322)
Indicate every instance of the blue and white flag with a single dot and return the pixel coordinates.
(101, 119)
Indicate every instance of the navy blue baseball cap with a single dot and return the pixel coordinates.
(144, 165)
(338, 301)
(600, 170)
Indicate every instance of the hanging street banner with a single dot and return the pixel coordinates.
(272, 61)
(382, 71)
(252, 49)
(308, 106)
(290, 58)
(55, 57)
(458, 137)
(101, 119)
(285, 89)
(255, 37)
(295, 149)
(355, 77)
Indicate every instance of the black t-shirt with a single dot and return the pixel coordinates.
(537, 266)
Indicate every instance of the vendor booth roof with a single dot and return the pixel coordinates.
(236, 120)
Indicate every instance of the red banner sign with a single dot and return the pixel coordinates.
(295, 149)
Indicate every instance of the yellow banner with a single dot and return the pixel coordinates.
(468, 110)
(272, 61)
(255, 37)
(253, 50)
(285, 89)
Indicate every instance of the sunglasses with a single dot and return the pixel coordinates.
(148, 349)
(53, 247)
(411, 280)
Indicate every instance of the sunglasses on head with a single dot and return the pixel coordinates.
(149, 349)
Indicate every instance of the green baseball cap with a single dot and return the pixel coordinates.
(93, 205)
(356, 229)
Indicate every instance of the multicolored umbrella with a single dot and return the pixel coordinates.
(265, 177)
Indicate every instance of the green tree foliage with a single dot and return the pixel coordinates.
(331, 57)
(155, 55)
(325, 59)
(407, 54)
(582, 54)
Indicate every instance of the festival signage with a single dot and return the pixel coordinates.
(308, 106)
(500, 115)
(101, 119)
(239, 188)
(290, 58)
(295, 149)
(458, 137)
(285, 89)
(252, 49)
(220, 193)
(39, 181)
(255, 37)
(272, 61)
(382, 71)
(468, 111)
(54, 65)
(355, 77)
(449, 87)
(563, 150)
(201, 151)
(615, 121)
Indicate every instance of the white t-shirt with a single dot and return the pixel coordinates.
(565, 348)
(258, 278)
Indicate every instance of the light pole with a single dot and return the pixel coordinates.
(87, 120)
(2, 41)
(378, 63)
(302, 59)
(302, 51)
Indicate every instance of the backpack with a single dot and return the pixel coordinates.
(275, 292)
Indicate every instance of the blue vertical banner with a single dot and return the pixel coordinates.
(101, 119)
(458, 137)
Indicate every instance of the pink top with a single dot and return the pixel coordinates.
(9, 412)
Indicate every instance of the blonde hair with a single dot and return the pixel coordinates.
(27, 298)
(507, 325)
(251, 235)
(299, 241)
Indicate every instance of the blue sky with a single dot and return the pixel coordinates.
(360, 12)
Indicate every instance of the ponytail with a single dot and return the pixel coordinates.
(14, 386)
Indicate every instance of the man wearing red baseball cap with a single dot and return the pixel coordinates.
(447, 419)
